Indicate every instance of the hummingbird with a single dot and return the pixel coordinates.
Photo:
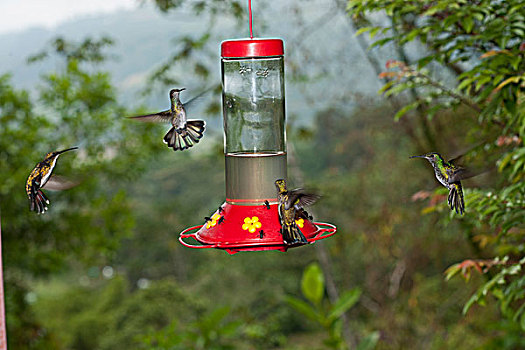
(184, 133)
(41, 177)
(449, 175)
(291, 203)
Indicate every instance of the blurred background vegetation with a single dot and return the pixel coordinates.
(103, 269)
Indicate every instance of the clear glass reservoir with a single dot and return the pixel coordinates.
(254, 119)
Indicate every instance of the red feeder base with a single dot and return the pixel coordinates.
(236, 228)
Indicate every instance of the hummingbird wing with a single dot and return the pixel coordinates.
(466, 151)
(300, 199)
(455, 159)
(458, 174)
(201, 94)
(59, 183)
(161, 117)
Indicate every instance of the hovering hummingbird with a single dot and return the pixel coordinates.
(184, 133)
(41, 178)
(291, 204)
(449, 175)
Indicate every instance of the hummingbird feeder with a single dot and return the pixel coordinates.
(255, 152)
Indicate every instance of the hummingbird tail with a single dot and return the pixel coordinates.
(292, 235)
(195, 129)
(455, 198)
(39, 202)
(181, 139)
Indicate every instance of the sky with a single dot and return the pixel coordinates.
(16, 15)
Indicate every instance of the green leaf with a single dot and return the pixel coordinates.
(505, 161)
(405, 109)
(344, 303)
(386, 86)
(452, 271)
(510, 80)
(303, 308)
(213, 319)
(411, 35)
(363, 30)
(231, 328)
(369, 342)
(312, 284)
(464, 84)
(398, 88)
(473, 299)
(381, 42)
(510, 105)
(434, 9)
(422, 62)
(468, 24)
(373, 32)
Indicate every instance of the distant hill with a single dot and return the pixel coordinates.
(144, 37)
(142, 40)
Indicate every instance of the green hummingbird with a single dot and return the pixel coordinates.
(184, 133)
(449, 175)
(41, 177)
(291, 205)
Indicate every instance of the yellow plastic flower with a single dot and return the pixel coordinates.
(251, 224)
(300, 222)
(215, 217)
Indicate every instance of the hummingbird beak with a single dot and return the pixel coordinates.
(69, 149)
(422, 156)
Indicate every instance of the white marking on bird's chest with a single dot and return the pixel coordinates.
(441, 178)
(46, 176)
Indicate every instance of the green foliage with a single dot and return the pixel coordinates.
(132, 204)
(326, 314)
(482, 42)
(76, 107)
(89, 50)
(212, 331)
(214, 7)
(312, 284)
(109, 314)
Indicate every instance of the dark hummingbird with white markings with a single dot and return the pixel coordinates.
(41, 177)
(291, 204)
(184, 133)
(449, 175)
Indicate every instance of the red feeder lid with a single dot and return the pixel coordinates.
(252, 48)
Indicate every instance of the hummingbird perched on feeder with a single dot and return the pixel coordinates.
(449, 175)
(291, 204)
(184, 133)
(41, 177)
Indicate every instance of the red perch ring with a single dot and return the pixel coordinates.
(236, 228)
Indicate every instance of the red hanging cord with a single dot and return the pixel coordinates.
(250, 15)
